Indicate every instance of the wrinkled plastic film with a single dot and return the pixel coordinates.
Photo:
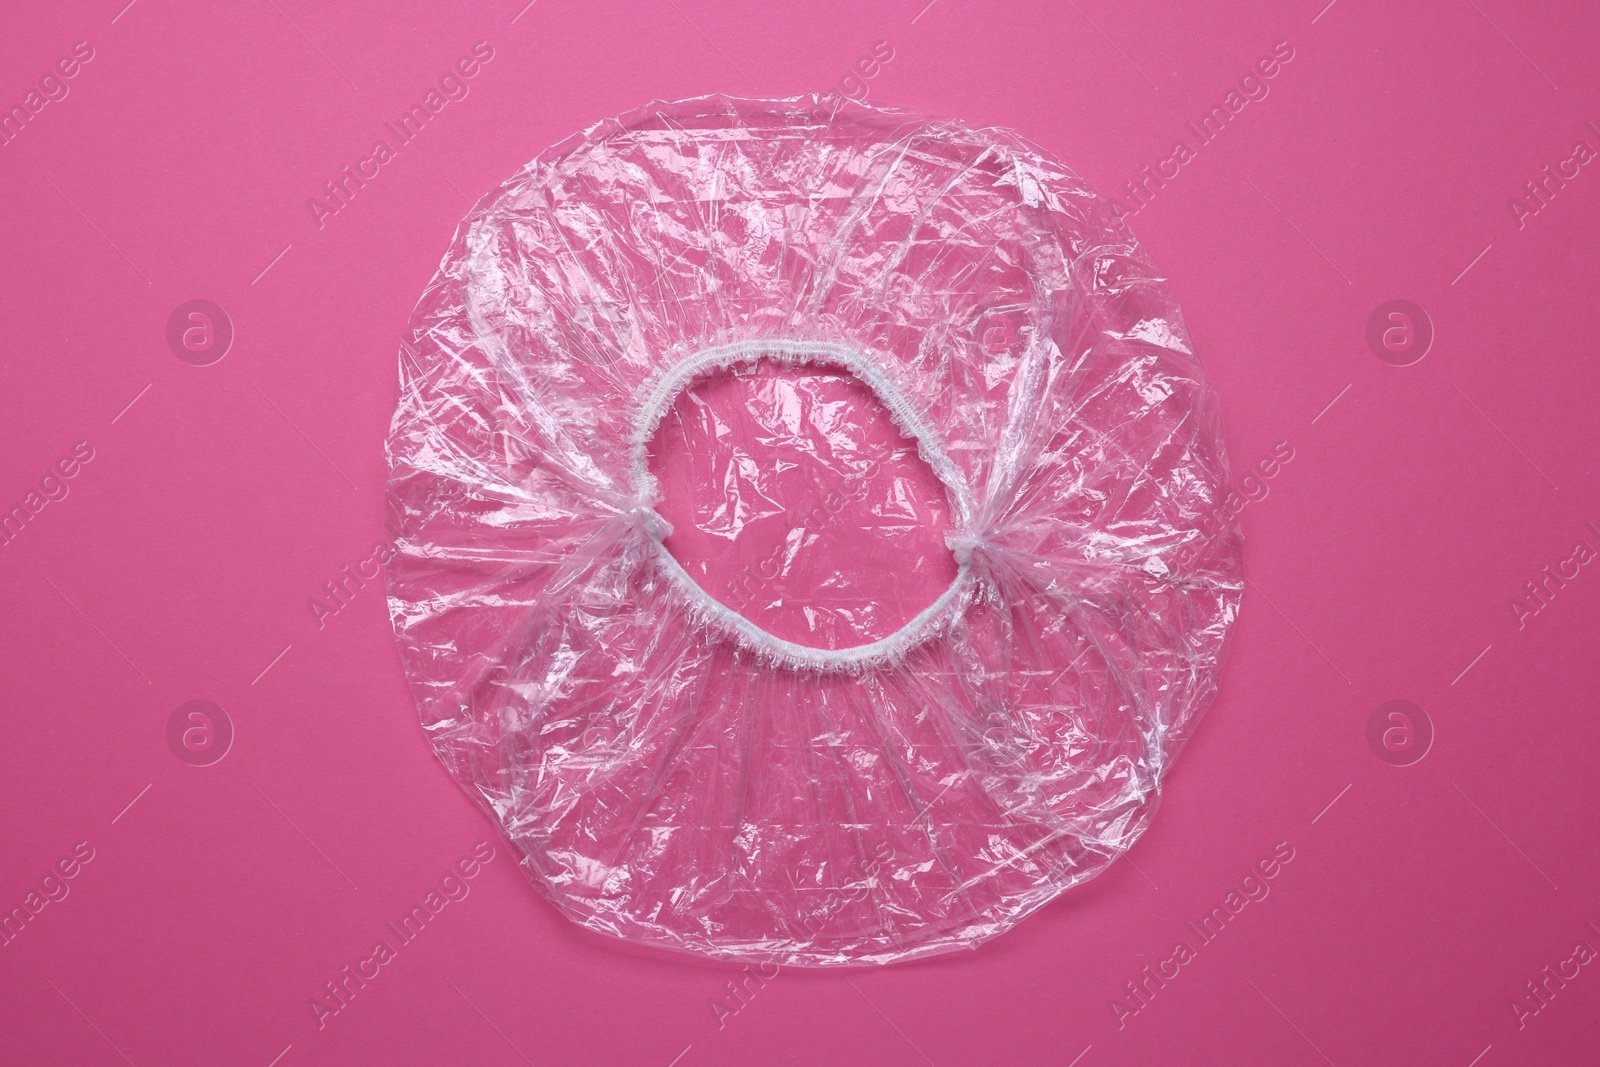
(812, 551)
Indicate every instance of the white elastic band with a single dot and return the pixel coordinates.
(659, 396)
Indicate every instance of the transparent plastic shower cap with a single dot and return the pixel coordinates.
(670, 768)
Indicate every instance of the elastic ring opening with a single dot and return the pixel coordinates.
(663, 392)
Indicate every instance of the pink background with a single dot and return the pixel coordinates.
(1382, 561)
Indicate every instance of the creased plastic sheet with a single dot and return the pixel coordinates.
(811, 547)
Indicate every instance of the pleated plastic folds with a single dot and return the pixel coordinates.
(811, 550)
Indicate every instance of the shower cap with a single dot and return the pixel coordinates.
(810, 546)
